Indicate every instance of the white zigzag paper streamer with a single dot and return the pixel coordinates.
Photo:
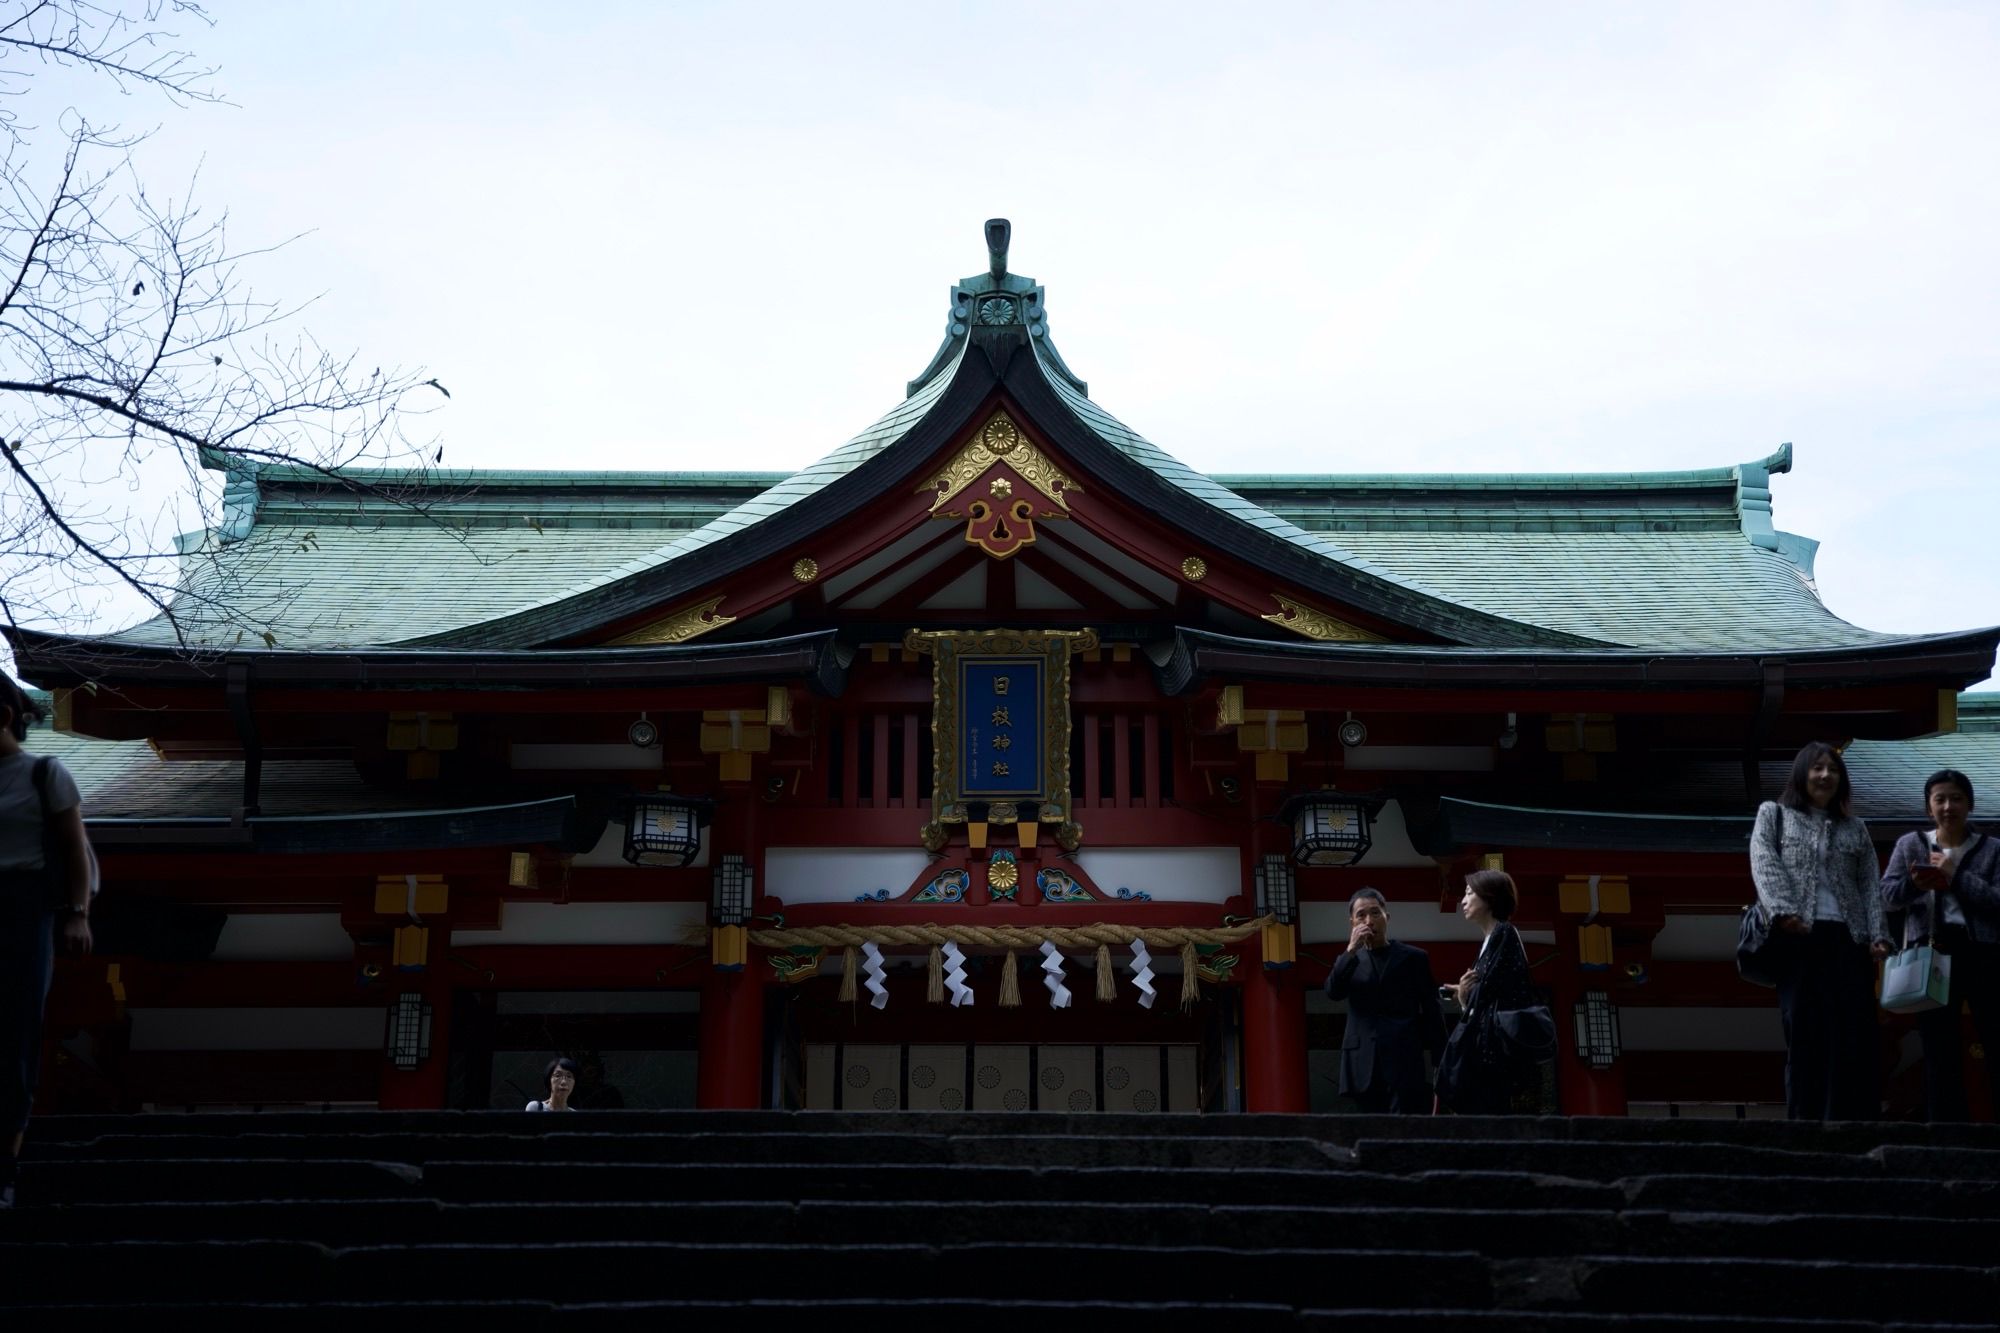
(1052, 970)
(1142, 973)
(954, 976)
(878, 994)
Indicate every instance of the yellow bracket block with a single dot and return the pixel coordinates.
(1281, 945)
(1581, 733)
(412, 946)
(392, 895)
(1593, 947)
(422, 731)
(1614, 894)
(729, 947)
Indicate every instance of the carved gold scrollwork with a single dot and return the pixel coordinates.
(690, 622)
(1314, 623)
(999, 439)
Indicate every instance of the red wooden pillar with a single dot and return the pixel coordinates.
(729, 1064)
(1274, 1039)
(729, 1070)
(1582, 1089)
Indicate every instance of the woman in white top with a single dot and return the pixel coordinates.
(1948, 879)
(558, 1082)
(47, 875)
(1818, 881)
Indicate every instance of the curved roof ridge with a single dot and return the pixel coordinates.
(1219, 496)
(809, 480)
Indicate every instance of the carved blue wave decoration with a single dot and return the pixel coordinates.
(948, 887)
(1129, 896)
(879, 896)
(1059, 886)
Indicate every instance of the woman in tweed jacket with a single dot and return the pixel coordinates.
(1819, 884)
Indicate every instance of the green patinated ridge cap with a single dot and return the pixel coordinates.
(997, 298)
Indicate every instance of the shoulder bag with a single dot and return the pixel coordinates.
(1757, 955)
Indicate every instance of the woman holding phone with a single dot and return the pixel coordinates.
(1948, 879)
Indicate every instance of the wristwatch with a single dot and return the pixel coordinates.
(73, 910)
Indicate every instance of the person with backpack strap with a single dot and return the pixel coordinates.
(47, 874)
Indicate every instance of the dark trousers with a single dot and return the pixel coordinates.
(1384, 1098)
(27, 963)
(1826, 994)
(1975, 983)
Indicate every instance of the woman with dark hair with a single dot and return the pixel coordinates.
(47, 874)
(1478, 1075)
(1947, 877)
(1818, 883)
(558, 1082)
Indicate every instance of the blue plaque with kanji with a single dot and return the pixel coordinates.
(1001, 727)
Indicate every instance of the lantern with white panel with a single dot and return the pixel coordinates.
(1329, 828)
(662, 829)
(733, 891)
(1278, 898)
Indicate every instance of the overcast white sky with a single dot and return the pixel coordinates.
(1314, 237)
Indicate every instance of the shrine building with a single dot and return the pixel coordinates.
(995, 760)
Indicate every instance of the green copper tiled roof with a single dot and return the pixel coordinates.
(1675, 561)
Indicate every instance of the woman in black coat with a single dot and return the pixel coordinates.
(1478, 1075)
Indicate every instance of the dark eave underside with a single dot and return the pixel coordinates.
(555, 822)
(53, 660)
(1194, 657)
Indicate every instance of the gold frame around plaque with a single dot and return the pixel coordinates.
(1058, 648)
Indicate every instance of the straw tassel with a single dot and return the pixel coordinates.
(1190, 977)
(849, 963)
(936, 995)
(1010, 983)
(1107, 984)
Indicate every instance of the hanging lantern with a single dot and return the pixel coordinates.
(1277, 890)
(1596, 1030)
(662, 829)
(734, 886)
(1329, 828)
(409, 1035)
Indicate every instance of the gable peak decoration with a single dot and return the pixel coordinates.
(992, 483)
(996, 299)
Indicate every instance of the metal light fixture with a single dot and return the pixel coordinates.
(734, 890)
(662, 829)
(1353, 732)
(409, 1039)
(1277, 891)
(1329, 828)
(1596, 1030)
(643, 733)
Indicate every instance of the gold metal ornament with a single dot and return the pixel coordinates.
(1194, 569)
(1314, 623)
(999, 439)
(1003, 873)
(805, 569)
(690, 622)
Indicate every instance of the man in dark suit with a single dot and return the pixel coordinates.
(1393, 1014)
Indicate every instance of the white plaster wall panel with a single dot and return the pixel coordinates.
(1132, 1079)
(359, 1028)
(937, 1078)
(1410, 922)
(1170, 874)
(1000, 1078)
(1183, 1078)
(295, 937)
(871, 1078)
(839, 874)
(1697, 939)
(590, 923)
(1700, 1029)
(822, 1072)
(1066, 1078)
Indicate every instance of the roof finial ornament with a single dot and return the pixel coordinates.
(998, 232)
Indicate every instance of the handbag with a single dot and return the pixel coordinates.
(1758, 956)
(1916, 977)
(1527, 1034)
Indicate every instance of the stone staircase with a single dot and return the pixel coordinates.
(989, 1221)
